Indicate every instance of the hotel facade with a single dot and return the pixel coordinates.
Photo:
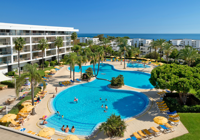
(31, 53)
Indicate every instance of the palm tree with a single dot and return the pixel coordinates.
(124, 47)
(74, 37)
(32, 73)
(189, 54)
(19, 45)
(114, 126)
(154, 46)
(94, 60)
(105, 41)
(168, 47)
(80, 61)
(100, 52)
(160, 43)
(90, 42)
(67, 61)
(76, 48)
(43, 44)
(59, 43)
(136, 51)
(72, 61)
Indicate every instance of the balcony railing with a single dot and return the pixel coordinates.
(3, 33)
(49, 54)
(51, 40)
(22, 59)
(35, 57)
(35, 49)
(4, 43)
(5, 52)
(5, 62)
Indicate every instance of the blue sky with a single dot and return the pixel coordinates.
(107, 16)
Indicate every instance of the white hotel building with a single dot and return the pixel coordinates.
(86, 39)
(30, 53)
(181, 43)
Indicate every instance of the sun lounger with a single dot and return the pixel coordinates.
(172, 113)
(71, 81)
(61, 84)
(128, 139)
(170, 127)
(150, 135)
(166, 130)
(159, 103)
(22, 129)
(31, 132)
(137, 135)
(133, 138)
(174, 122)
(3, 87)
(2, 108)
(143, 135)
(78, 80)
(155, 131)
(174, 116)
(17, 128)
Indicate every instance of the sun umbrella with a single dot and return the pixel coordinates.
(132, 57)
(61, 62)
(160, 120)
(111, 56)
(153, 60)
(122, 57)
(117, 57)
(47, 71)
(148, 59)
(41, 85)
(46, 132)
(71, 137)
(52, 70)
(8, 118)
(26, 103)
(56, 67)
(26, 109)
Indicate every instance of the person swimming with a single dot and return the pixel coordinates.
(105, 111)
(100, 98)
(73, 129)
(106, 106)
(62, 116)
(102, 106)
(75, 100)
(58, 113)
(106, 99)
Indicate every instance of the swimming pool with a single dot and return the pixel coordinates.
(87, 113)
(137, 65)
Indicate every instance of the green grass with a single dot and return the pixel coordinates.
(42, 72)
(17, 107)
(191, 121)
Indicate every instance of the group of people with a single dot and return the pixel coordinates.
(106, 107)
(67, 129)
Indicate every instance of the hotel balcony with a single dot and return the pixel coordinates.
(68, 49)
(37, 55)
(27, 40)
(62, 50)
(68, 43)
(35, 48)
(36, 39)
(4, 41)
(22, 58)
(5, 51)
(51, 46)
(25, 49)
(5, 60)
(51, 52)
(51, 39)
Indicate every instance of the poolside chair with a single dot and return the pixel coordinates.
(175, 117)
(128, 139)
(170, 127)
(172, 113)
(15, 124)
(72, 81)
(155, 131)
(17, 128)
(78, 80)
(31, 132)
(143, 135)
(2, 108)
(137, 136)
(133, 138)
(59, 139)
(22, 129)
(150, 135)
(167, 130)
(160, 102)
(174, 122)
(61, 84)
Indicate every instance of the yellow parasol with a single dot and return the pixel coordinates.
(160, 120)
(122, 57)
(71, 137)
(8, 118)
(61, 62)
(52, 70)
(26, 109)
(26, 104)
(47, 71)
(148, 59)
(56, 67)
(111, 56)
(46, 132)
(153, 60)
(132, 57)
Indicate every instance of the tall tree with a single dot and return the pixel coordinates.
(167, 49)
(33, 74)
(154, 46)
(67, 61)
(90, 42)
(124, 46)
(100, 52)
(94, 60)
(160, 43)
(72, 61)
(74, 37)
(43, 44)
(189, 54)
(76, 49)
(79, 62)
(19, 45)
(106, 41)
(59, 43)
(174, 54)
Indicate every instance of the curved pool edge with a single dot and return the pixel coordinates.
(129, 119)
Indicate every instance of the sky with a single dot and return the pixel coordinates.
(106, 16)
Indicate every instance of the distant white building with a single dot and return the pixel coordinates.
(86, 39)
(181, 43)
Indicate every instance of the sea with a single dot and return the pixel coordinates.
(146, 36)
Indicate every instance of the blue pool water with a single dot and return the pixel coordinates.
(87, 113)
(137, 65)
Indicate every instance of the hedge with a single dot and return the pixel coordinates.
(9, 83)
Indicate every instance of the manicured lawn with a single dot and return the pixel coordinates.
(192, 122)
(42, 72)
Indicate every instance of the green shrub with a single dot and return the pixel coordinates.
(88, 74)
(152, 55)
(118, 81)
(9, 83)
(52, 63)
(46, 63)
(56, 62)
(11, 73)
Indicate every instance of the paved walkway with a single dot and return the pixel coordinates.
(145, 121)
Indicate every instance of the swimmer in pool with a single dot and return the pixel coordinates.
(106, 99)
(105, 111)
(102, 106)
(106, 106)
(100, 99)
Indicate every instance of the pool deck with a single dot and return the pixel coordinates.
(144, 121)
